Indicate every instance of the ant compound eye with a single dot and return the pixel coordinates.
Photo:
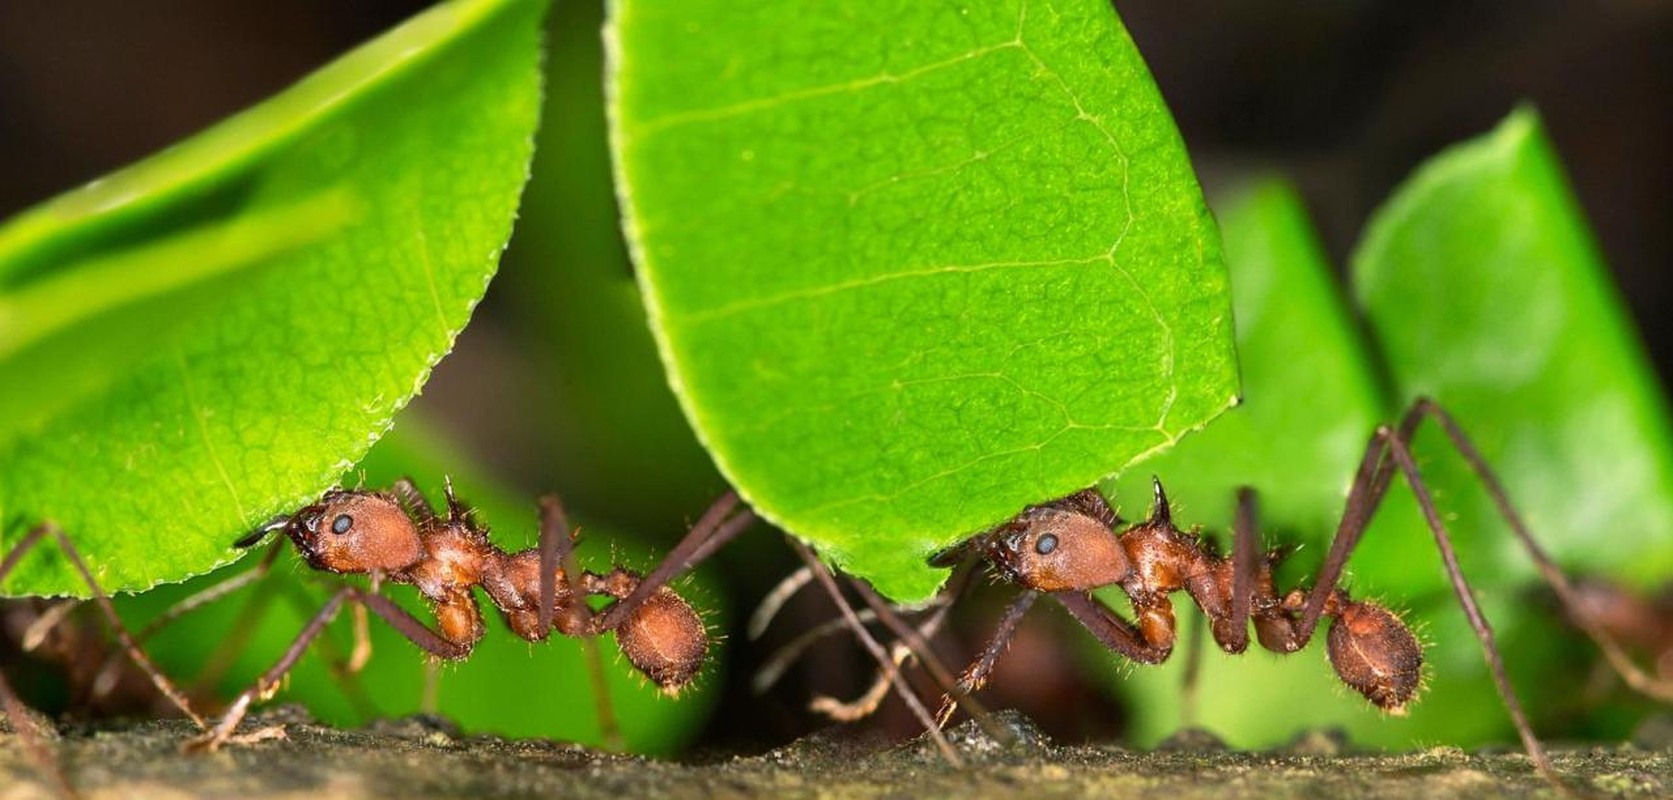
(342, 523)
(1045, 544)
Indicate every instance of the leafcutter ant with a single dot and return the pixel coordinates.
(398, 537)
(1064, 549)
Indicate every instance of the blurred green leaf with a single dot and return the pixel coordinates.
(1484, 290)
(909, 281)
(348, 226)
(507, 687)
(608, 425)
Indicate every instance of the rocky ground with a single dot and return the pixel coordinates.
(424, 758)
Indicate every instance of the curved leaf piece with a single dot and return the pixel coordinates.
(1484, 289)
(214, 334)
(909, 277)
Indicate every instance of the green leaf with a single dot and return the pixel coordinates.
(212, 335)
(1485, 290)
(908, 278)
(1310, 397)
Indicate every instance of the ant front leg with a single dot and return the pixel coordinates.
(976, 675)
(404, 623)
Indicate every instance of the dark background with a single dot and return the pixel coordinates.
(1343, 97)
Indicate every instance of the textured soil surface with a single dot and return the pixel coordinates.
(424, 758)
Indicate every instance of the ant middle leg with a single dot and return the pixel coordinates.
(129, 644)
(557, 556)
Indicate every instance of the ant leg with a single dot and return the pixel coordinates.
(268, 681)
(1484, 631)
(398, 618)
(353, 689)
(866, 704)
(1188, 683)
(412, 499)
(106, 678)
(1118, 634)
(912, 702)
(22, 722)
(1246, 567)
(776, 664)
(919, 646)
(712, 531)
(24, 726)
(775, 600)
(1388, 451)
(1641, 681)
(557, 549)
(976, 675)
(102, 600)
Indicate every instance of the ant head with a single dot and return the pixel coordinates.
(1052, 549)
(354, 531)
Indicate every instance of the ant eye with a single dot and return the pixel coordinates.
(1045, 544)
(342, 523)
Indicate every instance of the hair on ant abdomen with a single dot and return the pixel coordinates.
(396, 536)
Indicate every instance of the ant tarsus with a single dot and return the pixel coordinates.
(398, 537)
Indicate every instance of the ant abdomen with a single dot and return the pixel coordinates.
(1375, 653)
(665, 639)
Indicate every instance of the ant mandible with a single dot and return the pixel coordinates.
(397, 536)
(1068, 547)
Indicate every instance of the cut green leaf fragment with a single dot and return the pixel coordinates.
(1310, 397)
(910, 277)
(213, 335)
(1485, 290)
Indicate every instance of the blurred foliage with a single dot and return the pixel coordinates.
(1477, 265)
(905, 291)
(213, 334)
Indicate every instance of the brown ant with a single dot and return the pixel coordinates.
(1066, 548)
(397, 536)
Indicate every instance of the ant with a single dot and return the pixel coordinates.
(397, 536)
(1066, 548)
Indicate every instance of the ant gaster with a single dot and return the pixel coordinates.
(398, 537)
